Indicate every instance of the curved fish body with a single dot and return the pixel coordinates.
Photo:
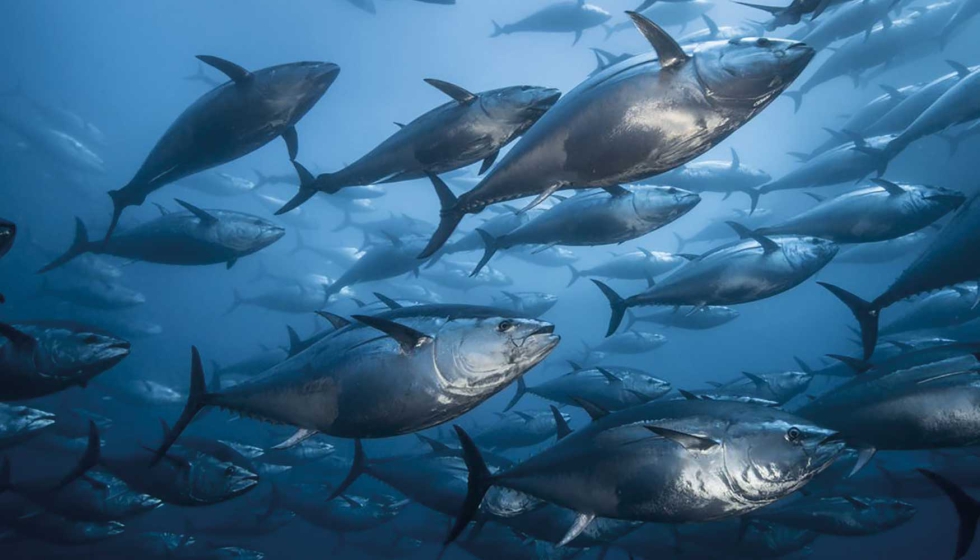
(612, 388)
(719, 228)
(435, 481)
(597, 218)
(287, 299)
(778, 388)
(413, 368)
(31, 521)
(219, 183)
(529, 304)
(740, 272)
(230, 121)
(146, 392)
(59, 146)
(929, 406)
(468, 129)
(674, 14)
(344, 514)
(884, 251)
(903, 40)
(570, 16)
(871, 214)
(635, 265)
(736, 538)
(550, 523)
(652, 114)
(966, 11)
(905, 113)
(646, 464)
(846, 517)
(862, 120)
(458, 276)
(945, 308)
(308, 451)
(850, 19)
(688, 317)
(20, 423)
(196, 237)
(554, 257)
(724, 33)
(295, 218)
(843, 164)
(631, 342)
(716, 176)
(520, 429)
(94, 294)
(99, 498)
(45, 357)
(959, 104)
(380, 262)
(497, 226)
(395, 226)
(60, 117)
(185, 476)
(947, 261)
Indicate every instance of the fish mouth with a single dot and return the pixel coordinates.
(544, 329)
(245, 483)
(39, 422)
(799, 56)
(115, 351)
(950, 200)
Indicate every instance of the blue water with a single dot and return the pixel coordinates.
(121, 66)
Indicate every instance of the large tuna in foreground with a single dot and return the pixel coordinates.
(230, 121)
(386, 375)
(635, 120)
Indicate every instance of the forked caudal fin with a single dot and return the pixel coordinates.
(490, 246)
(89, 460)
(358, 466)
(79, 245)
(449, 217)
(617, 306)
(196, 400)
(866, 314)
(307, 188)
(967, 509)
(521, 391)
(478, 483)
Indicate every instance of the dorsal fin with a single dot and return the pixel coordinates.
(437, 446)
(688, 395)
(892, 92)
(399, 125)
(759, 381)
(961, 70)
(524, 416)
(616, 190)
(593, 410)
(815, 196)
(235, 72)
(735, 161)
(669, 52)
(575, 365)
(22, 342)
(337, 321)
(768, 245)
(390, 303)
(712, 26)
(560, 424)
(890, 187)
(859, 366)
(462, 96)
(407, 337)
(206, 218)
(295, 343)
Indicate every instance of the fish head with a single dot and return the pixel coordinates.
(771, 453)
(519, 105)
(305, 82)
(213, 480)
(809, 254)
(945, 198)
(750, 71)
(80, 155)
(480, 355)
(660, 205)
(594, 15)
(248, 234)
(649, 386)
(23, 420)
(8, 231)
(789, 383)
(79, 353)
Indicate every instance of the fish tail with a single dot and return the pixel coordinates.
(967, 508)
(617, 305)
(797, 97)
(478, 482)
(260, 179)
(93, 452)
(865, 312)
(576, 274)
(497, 30)
(120, 201)
(490, 246)
(681, 242)
(79, 245)
(754, 195)
(236, 302)
(197, 399)
(358, 466)
(631, 319)
(307, 188)
(449, 217)
(521, 391)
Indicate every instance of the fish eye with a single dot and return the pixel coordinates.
(91, 339)
(229, 471)
(763, 42)
(671, 190)
(505, 325)
(793, 435)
